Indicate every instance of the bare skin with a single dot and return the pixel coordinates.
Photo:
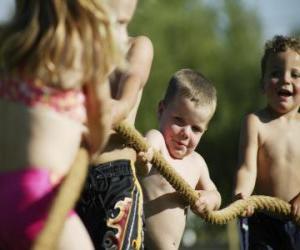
(182, 125)
(47, 139)
(126, 91)
(39, 137)
(270, 138)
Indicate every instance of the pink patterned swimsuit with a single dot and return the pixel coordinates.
(32, 93)
(26, 195)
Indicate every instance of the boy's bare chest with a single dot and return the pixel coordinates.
(279, 161)
(187, 169)
(281, 144)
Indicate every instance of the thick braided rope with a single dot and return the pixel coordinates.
(135, 140)
(267, 204)
(64, 201)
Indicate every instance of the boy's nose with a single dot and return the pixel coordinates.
(286, 78)
(185, 132)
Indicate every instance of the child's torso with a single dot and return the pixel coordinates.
(156, 185)
(279, 158)
(40, 126)
(164, 225)
(164, 206)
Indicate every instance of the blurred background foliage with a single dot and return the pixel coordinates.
(224, 42)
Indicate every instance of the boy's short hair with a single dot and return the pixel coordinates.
(279, 44)
(193, 85)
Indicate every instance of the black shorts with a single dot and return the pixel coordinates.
(111, 206)
(265, 232)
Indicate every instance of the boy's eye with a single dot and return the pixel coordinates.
(196, 129)
(178, 120)
(275, 73)
(295, 74)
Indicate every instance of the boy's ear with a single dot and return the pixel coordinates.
(160, 108)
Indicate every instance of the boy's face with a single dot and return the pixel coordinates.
(281, 81)
(122, 11)
(182, 124)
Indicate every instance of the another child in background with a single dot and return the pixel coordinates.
(111, 204)
(269, 156)
(48, 52)
(184, 114)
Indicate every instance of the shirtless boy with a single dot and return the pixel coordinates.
(111, 204)
(269, 157)
(184, 114)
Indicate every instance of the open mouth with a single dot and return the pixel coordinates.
(284, 92)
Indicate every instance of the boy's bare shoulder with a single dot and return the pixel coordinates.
(141, 48)
(141, 42)
(262, 115)
(255, 118)
(198, 160)
(154, 135)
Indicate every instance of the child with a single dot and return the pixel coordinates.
(47, 54)
(184, 114)
(270, 148)
(111, 204)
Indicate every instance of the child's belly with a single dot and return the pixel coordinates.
(281, 181)
(37, 137)
(278, 171)
(165, 228)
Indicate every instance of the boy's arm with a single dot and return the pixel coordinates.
(155, 140)
(98, 112)
(140, 57)
(210, 198)
(248, 148)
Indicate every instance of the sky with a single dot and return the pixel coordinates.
(6, 9)
(278, 16)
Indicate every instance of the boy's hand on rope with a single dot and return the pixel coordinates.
(205, 203)
(222, 216)
(144, 161)
(295, 206)
(249, 210)
(119, 111)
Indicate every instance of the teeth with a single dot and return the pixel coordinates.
(284, 92)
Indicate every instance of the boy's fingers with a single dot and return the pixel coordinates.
(141, 153)
(244, 214)
(249, 211)
(200, 208)
(149, 154)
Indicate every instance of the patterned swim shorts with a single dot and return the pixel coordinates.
(111, 206)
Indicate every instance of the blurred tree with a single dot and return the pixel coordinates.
(222, 40)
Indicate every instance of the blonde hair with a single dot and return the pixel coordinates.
(40, 40)
(192, 85)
